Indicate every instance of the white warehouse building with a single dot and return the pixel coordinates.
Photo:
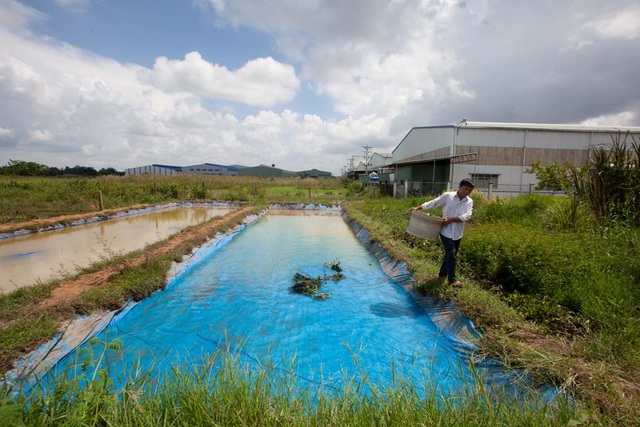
(429, 160)
(202, 169)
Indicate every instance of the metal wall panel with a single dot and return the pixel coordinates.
(490, 137)
(423, 140)
(546, 156)
(525, 156)
(565, 140)
(510, 177)
(151, 170)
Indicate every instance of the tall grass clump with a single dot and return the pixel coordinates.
(613, 180)
(222, 390)
(609, 185)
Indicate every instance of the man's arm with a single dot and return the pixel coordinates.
(463, 217)
(435, 203)
(448, 220)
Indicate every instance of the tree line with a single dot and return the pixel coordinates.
(24, 168)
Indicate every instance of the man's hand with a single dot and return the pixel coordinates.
(449, 220)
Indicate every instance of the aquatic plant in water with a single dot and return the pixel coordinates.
(306, 285)
(303, 284)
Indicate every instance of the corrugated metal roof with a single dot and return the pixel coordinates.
(546, 126)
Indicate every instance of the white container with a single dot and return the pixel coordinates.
(424, 225)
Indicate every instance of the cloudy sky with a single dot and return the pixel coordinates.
(298, 83)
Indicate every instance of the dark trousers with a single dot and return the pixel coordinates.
(448, 268)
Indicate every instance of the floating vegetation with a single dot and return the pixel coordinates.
(305, 285)
(335, 265)
(334, 277)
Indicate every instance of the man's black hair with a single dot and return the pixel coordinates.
(467, 183)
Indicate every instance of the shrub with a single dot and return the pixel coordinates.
(522, 209)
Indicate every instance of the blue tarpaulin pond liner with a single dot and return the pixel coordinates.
(235, 292)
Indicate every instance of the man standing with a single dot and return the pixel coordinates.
(457, 207)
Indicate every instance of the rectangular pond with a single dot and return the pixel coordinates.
(239, 296)
(38, 257)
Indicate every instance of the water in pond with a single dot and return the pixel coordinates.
(240, 294)
(54, 254)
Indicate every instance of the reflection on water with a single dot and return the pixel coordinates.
(25, 260)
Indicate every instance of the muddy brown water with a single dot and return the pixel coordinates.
(39, 257)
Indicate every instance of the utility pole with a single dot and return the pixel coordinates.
(366, 158)
(351, 162)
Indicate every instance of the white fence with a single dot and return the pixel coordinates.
(423, 188)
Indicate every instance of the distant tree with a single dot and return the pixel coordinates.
(22, 168)
(80, 170)
(54, 171)
(109, 171)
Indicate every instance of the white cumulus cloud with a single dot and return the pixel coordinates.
(260, 82)
(375, 67)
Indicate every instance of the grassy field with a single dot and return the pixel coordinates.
(23, 199)
(561, 302)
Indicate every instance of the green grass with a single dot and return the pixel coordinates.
(223, 391)
(22, 328)
(23, 333)
(527, 277)
(16, 300)
(588, 276)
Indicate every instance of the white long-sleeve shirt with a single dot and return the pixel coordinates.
(452, 207)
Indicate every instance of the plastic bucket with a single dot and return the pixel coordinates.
(424, 225)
